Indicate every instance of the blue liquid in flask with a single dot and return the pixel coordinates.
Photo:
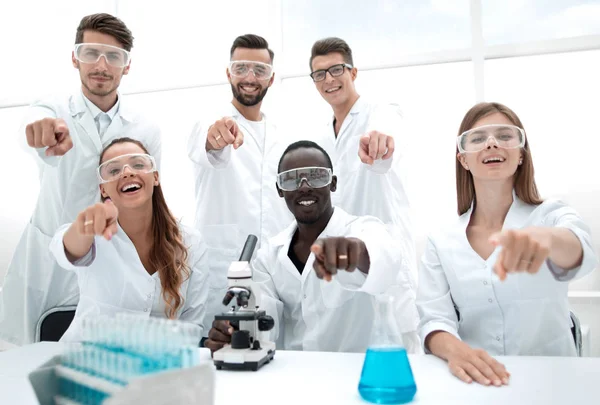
(386, 376)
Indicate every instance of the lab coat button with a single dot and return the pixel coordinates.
(145, 309)
(485, 283)
(498, 338)
(490, 300)
(304, 296)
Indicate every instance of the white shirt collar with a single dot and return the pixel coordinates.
(97, 111)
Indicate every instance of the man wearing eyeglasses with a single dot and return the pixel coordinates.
(321, 276)
(66, 137)
(235, 161)
(363, 138)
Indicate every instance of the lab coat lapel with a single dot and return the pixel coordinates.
(518, 214)
(83, 117)
(358, 106)
(122, 117)
(114, 130)
(283, 241)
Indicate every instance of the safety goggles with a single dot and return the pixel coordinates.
(334, 71)
(241, 68)
(138, 163)
(91, 53)
(316, 177)
(504, 136)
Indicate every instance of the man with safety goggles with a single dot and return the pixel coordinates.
(89, 119)
(365, 140)
(235, 160)
(322, 274)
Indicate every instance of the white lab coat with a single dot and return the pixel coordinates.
(114, 281)
(380, 189)
(337, 316)
(236, 195)
(523, 315)
(68, 184)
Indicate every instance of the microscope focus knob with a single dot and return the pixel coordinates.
(265, 323)
(240, 339)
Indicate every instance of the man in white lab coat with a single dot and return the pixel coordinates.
(365, 143)
(235, 161)
(321, 275)
(66, 136)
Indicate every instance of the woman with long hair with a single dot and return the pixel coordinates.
(495, 282)
(129, 252)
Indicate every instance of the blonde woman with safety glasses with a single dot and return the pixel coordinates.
(129, 252)
(495, 282)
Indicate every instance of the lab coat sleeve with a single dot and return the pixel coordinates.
(269, 298)
(385, 256)
(566, 217)
(194, 310)
(434, 300)
(386, 119)
(37, 111)
(57, 248)
(214, 159)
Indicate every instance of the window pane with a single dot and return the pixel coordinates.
(187, 42)
(556, 97)
(521, 21)
(176, 112)
(20, 186)
(379, 31)
(433, 100)
(37, 40)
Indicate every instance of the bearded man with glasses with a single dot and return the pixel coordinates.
(235, 162)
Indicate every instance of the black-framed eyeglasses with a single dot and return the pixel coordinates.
(334, 71)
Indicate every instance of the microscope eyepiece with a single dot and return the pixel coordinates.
(228, 297)
(243, 297)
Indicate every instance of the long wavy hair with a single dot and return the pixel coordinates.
(168, 254)
(523, 180)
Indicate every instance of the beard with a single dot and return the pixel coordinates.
(105, 90)
(308, 219)
(248, 100)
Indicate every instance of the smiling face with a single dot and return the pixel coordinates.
(248, 90)
(131, 189)
(335, 90)
(307, 204)
(493, 162)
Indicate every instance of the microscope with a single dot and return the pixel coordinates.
(246, 351)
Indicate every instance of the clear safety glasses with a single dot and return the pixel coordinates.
(316, 177)
(334, 71)
(505, 136)
(138, 163)
(91, 53)
(241, 68)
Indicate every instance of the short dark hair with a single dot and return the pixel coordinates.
(307, 145)
(329, 45)
(106, 24)
(251, 41)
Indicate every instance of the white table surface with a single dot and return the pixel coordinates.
(332, 378)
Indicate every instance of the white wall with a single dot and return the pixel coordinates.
(427, 56)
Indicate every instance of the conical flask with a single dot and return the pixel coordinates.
(386, 377)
